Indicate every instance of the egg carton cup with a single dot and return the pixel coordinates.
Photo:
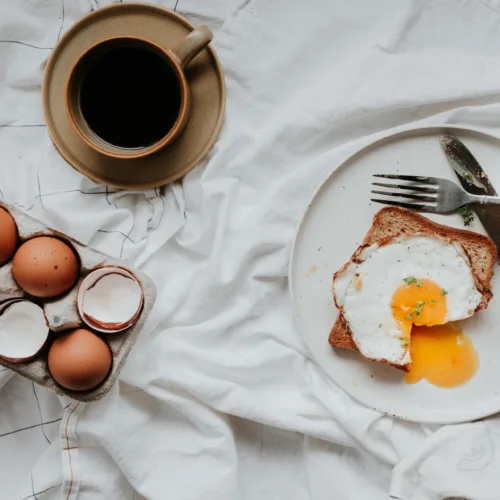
(62, 312)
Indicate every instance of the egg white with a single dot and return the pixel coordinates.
(381, 270)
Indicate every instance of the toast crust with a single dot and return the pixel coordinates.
(394, 222)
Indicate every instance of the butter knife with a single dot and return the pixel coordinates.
(474, 180)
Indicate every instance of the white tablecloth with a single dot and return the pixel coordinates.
(220, 398)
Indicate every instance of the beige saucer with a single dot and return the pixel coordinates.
(205, 77)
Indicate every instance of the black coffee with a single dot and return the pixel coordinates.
(130, 96)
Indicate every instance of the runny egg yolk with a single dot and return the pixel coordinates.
(442, 355)
(419, 303)
(440, 352)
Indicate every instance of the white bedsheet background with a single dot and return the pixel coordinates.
(220, 399)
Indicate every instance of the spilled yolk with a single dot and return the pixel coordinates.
(440, 353)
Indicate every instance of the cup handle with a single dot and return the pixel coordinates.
(197, 40)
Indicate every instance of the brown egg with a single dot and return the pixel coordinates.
(8, 236)
(45, 267)
(79, 360)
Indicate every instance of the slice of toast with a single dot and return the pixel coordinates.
(393, 222)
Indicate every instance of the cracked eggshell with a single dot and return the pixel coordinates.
(110, 299)
(24, 330)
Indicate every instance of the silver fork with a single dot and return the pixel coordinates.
(439, 195)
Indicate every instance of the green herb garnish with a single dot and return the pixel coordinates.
(405, 344)
(467, 214)
(419, 307)
(409, 316)
(432, 302)
(444, 292)
(411, 279)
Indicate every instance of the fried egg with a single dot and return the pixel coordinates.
(410, 282)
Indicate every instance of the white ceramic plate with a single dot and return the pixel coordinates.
(334, 225)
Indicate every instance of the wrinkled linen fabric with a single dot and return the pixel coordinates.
(220, 398)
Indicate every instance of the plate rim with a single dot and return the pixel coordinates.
(381, 138)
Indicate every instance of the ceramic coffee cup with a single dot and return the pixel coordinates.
(128, 97)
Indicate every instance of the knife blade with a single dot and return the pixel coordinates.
(474, 180)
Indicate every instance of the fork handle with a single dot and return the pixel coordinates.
(485, 200)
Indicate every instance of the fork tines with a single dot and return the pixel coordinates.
(416, 189)
(413, 178)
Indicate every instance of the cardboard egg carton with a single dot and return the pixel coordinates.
(62, 313)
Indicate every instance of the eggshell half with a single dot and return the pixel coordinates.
(110, 299)
(24, 330)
